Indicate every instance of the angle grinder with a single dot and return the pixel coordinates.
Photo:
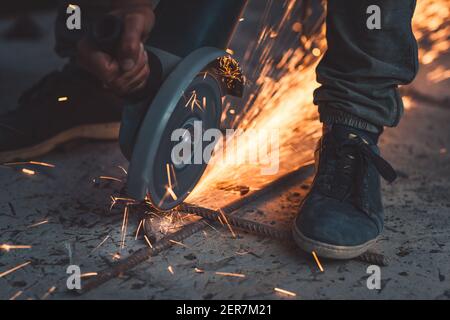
(190, 74)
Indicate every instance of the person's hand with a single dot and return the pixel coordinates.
(128, 71)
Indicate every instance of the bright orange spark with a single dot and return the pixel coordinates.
(16, 295)
(288, 293)
(138, 229)
(88, 274)
(228, 274)
(3, 274)
(179, 243)
(227, 223)
(172, 193)
(48, 293)
(148, 241)
(42, 164)
(317, 261)
(110, 178)
(124, 227)
(170, 268)
(8, 247)
(28, 172)
(38, 224)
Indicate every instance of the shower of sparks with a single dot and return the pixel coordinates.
(16, 295)
(101, 243)
(3, 274)
(170, 269)
(48, 293)
(279, 98)
(228, 274)
(288, 293)
(148, 241)
(317, 261)
(124, 227)
(279, 95)
(28, 172)
(38, 224)
(8, 247)
(42, 164)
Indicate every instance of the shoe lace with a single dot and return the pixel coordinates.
(353, 158)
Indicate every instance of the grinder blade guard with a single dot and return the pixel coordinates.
(185, 90)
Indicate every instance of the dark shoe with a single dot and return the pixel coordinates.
(63, 106)
(342, 215)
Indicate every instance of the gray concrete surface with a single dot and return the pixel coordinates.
(416, 238)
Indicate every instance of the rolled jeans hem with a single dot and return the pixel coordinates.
(335, 116)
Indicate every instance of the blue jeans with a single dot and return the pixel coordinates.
(362, 68)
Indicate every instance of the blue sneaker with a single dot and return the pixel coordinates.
(342, 215)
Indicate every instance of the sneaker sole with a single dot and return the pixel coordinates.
(330, 251)
(104, 131)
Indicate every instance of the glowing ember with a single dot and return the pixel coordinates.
(148, 241)
(194, 102)
(38, 224)
(170, 269)
(138, 229)
(227, 223)
(3, 274)
(63, 99)
(110, 178)
(197, 270)
(124, 227)
(285, 292)
(317, 261)
(42, 164)
(28, 172)
(88, 274)
(228, 274)
(115, 256)
(179, 243)
(48, 293)
(8, 247)
(16, 295)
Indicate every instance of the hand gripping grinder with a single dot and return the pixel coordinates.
(190, 74)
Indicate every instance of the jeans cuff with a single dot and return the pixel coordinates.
(330, 116)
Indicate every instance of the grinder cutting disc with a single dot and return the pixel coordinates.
(188, 95)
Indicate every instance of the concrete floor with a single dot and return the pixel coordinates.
(416, 238)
